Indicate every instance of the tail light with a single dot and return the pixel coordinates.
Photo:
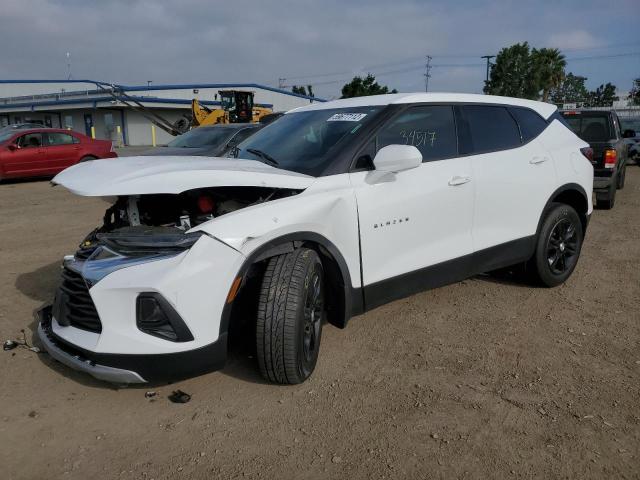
(610, 157)
(588, 153)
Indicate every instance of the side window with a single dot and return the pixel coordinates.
(531, 124)
(30, 140)
(431, 129)
(56, 138)
(490, 128)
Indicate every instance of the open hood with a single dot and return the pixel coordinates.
(148, 175)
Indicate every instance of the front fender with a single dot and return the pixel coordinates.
(326, 209)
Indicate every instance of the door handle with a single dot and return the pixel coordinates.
(537, 160)
(457, 180)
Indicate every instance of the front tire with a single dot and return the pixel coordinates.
(558, 246)
(290, 316)
(87, 158)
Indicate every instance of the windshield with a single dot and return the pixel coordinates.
(6, 135)
(203, 137)
(590, 127)
(305, 142)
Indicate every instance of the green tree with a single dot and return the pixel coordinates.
(634, 94)
(512, 74)
(301, 90)
(362, 87)
(571, 90)
(603, 96)
(548, 66)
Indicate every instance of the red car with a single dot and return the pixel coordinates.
(47, 151)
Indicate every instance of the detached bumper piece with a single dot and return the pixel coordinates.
(130, 368)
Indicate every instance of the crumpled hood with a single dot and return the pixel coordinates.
(147, 175)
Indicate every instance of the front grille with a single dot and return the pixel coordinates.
(75, 305)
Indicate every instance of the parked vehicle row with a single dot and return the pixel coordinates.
(331, 210)
(631, 132)
(36, 152)
(602, 130)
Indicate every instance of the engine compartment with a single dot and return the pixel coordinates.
(163, 219)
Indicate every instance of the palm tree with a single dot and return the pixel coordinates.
(548, 66)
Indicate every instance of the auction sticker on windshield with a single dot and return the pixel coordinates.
(346, 117)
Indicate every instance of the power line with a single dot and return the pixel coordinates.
(346, 75)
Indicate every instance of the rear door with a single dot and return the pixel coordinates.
(28, 159)
(61, 149)
(415, 225)
(514, 178)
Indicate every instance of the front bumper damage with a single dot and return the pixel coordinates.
(130, 368)
(113, 346)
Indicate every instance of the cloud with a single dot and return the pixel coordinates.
(574, 39)
(132, 41)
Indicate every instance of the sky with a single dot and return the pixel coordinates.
(322, 43)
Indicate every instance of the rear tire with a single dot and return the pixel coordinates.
(557, 247)
(621, 178)
(290, 316)
(87, 158)
(606, 200)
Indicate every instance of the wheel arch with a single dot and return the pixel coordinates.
(343, 300)
(570, 194)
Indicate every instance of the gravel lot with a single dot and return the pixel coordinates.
(487, 378)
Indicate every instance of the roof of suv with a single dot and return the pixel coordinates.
(544, 109)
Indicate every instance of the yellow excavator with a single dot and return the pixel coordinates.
(235, 107)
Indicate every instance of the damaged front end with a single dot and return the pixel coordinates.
(159, 224)
(142, 298)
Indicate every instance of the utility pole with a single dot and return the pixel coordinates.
(68, 66)
(488, 57)
(427, 73)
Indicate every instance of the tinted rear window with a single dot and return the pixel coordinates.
(590, 127)
(531, 124)
(491, 128)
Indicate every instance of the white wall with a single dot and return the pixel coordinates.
(138, 128)
(280, 101)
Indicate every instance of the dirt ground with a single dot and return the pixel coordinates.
(487, 378)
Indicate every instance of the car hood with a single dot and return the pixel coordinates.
(146, 175)
(179, 151)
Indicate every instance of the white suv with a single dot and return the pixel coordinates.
(330, 211)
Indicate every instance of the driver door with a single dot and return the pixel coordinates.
(28, 159)
(415, 225)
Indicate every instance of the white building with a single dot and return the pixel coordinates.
(82, 104)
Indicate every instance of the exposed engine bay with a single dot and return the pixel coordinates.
(135, 224)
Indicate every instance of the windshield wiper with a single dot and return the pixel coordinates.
(268, 159)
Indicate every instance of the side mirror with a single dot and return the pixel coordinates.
(629, 133)
(397, 158)
(13, 146)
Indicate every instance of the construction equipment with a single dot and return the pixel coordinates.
(236, 106)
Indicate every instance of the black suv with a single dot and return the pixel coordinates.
(601, 129)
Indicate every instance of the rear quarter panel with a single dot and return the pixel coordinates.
(571, 166)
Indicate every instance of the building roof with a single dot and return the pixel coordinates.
(100, 93)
